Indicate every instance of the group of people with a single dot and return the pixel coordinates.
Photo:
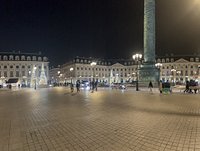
(93, 85)
(191, 85)
(78, 85)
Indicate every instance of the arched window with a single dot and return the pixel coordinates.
(11, 57)
(45, 59)
(16, 58)
(22, 58)
(5, 58)
(192, 59)
(34, 58)
(28, 58)
(39, 59)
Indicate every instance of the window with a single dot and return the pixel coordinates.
(23, 67)
(11, 67)
(22, 58)
(5, 73)
(11, 57)
(11, 73)
(17, 73)
(23, 73)
(192, 59)
(39, 59)
(16, 57)
(28, 58)
(34, 58)
(17, 67)
(5, 67)
(5, 58)
(77, 68)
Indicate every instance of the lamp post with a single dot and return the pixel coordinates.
(173, 71)
(93, 64)
(58, 76)
(35, 68)
(71, 69)
(159, 65)
(93, 83)
(137, 58)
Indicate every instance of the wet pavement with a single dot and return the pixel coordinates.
(108, 120)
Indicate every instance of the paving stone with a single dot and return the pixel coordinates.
(55, 120)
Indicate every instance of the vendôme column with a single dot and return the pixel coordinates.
(148, 71)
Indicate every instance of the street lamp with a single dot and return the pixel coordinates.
(71, 69)
(93, 64)
(159, 65)
(35, 76)
(137, 58)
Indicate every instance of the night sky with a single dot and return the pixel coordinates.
(63, 29)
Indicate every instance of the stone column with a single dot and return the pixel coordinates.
(148, 72)
(149, 31)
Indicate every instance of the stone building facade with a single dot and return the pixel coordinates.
(174, 69)
(23, 67)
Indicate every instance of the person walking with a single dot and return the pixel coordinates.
(150, 86)
(96, 84)
(187, 87)
(77, 86)
(72, 87)
(160, 86)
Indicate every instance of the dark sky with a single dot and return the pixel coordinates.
(63, 29)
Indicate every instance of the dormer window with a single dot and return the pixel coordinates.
(192, 59)
(28, 58)
(163, 60)
(172, 59)
(16, 58)
(22, 58)
(197, 59)
(5, 58)
(45, 59)
(167, 60)
(34, 58)
(39, 59)
(11, 57)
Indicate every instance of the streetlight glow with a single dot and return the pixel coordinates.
(93, 63)
(137, 57)
(71, 69)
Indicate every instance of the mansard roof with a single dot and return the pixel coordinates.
(20, 56)
(107, 62)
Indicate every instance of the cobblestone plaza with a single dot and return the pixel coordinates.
(108, 120)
